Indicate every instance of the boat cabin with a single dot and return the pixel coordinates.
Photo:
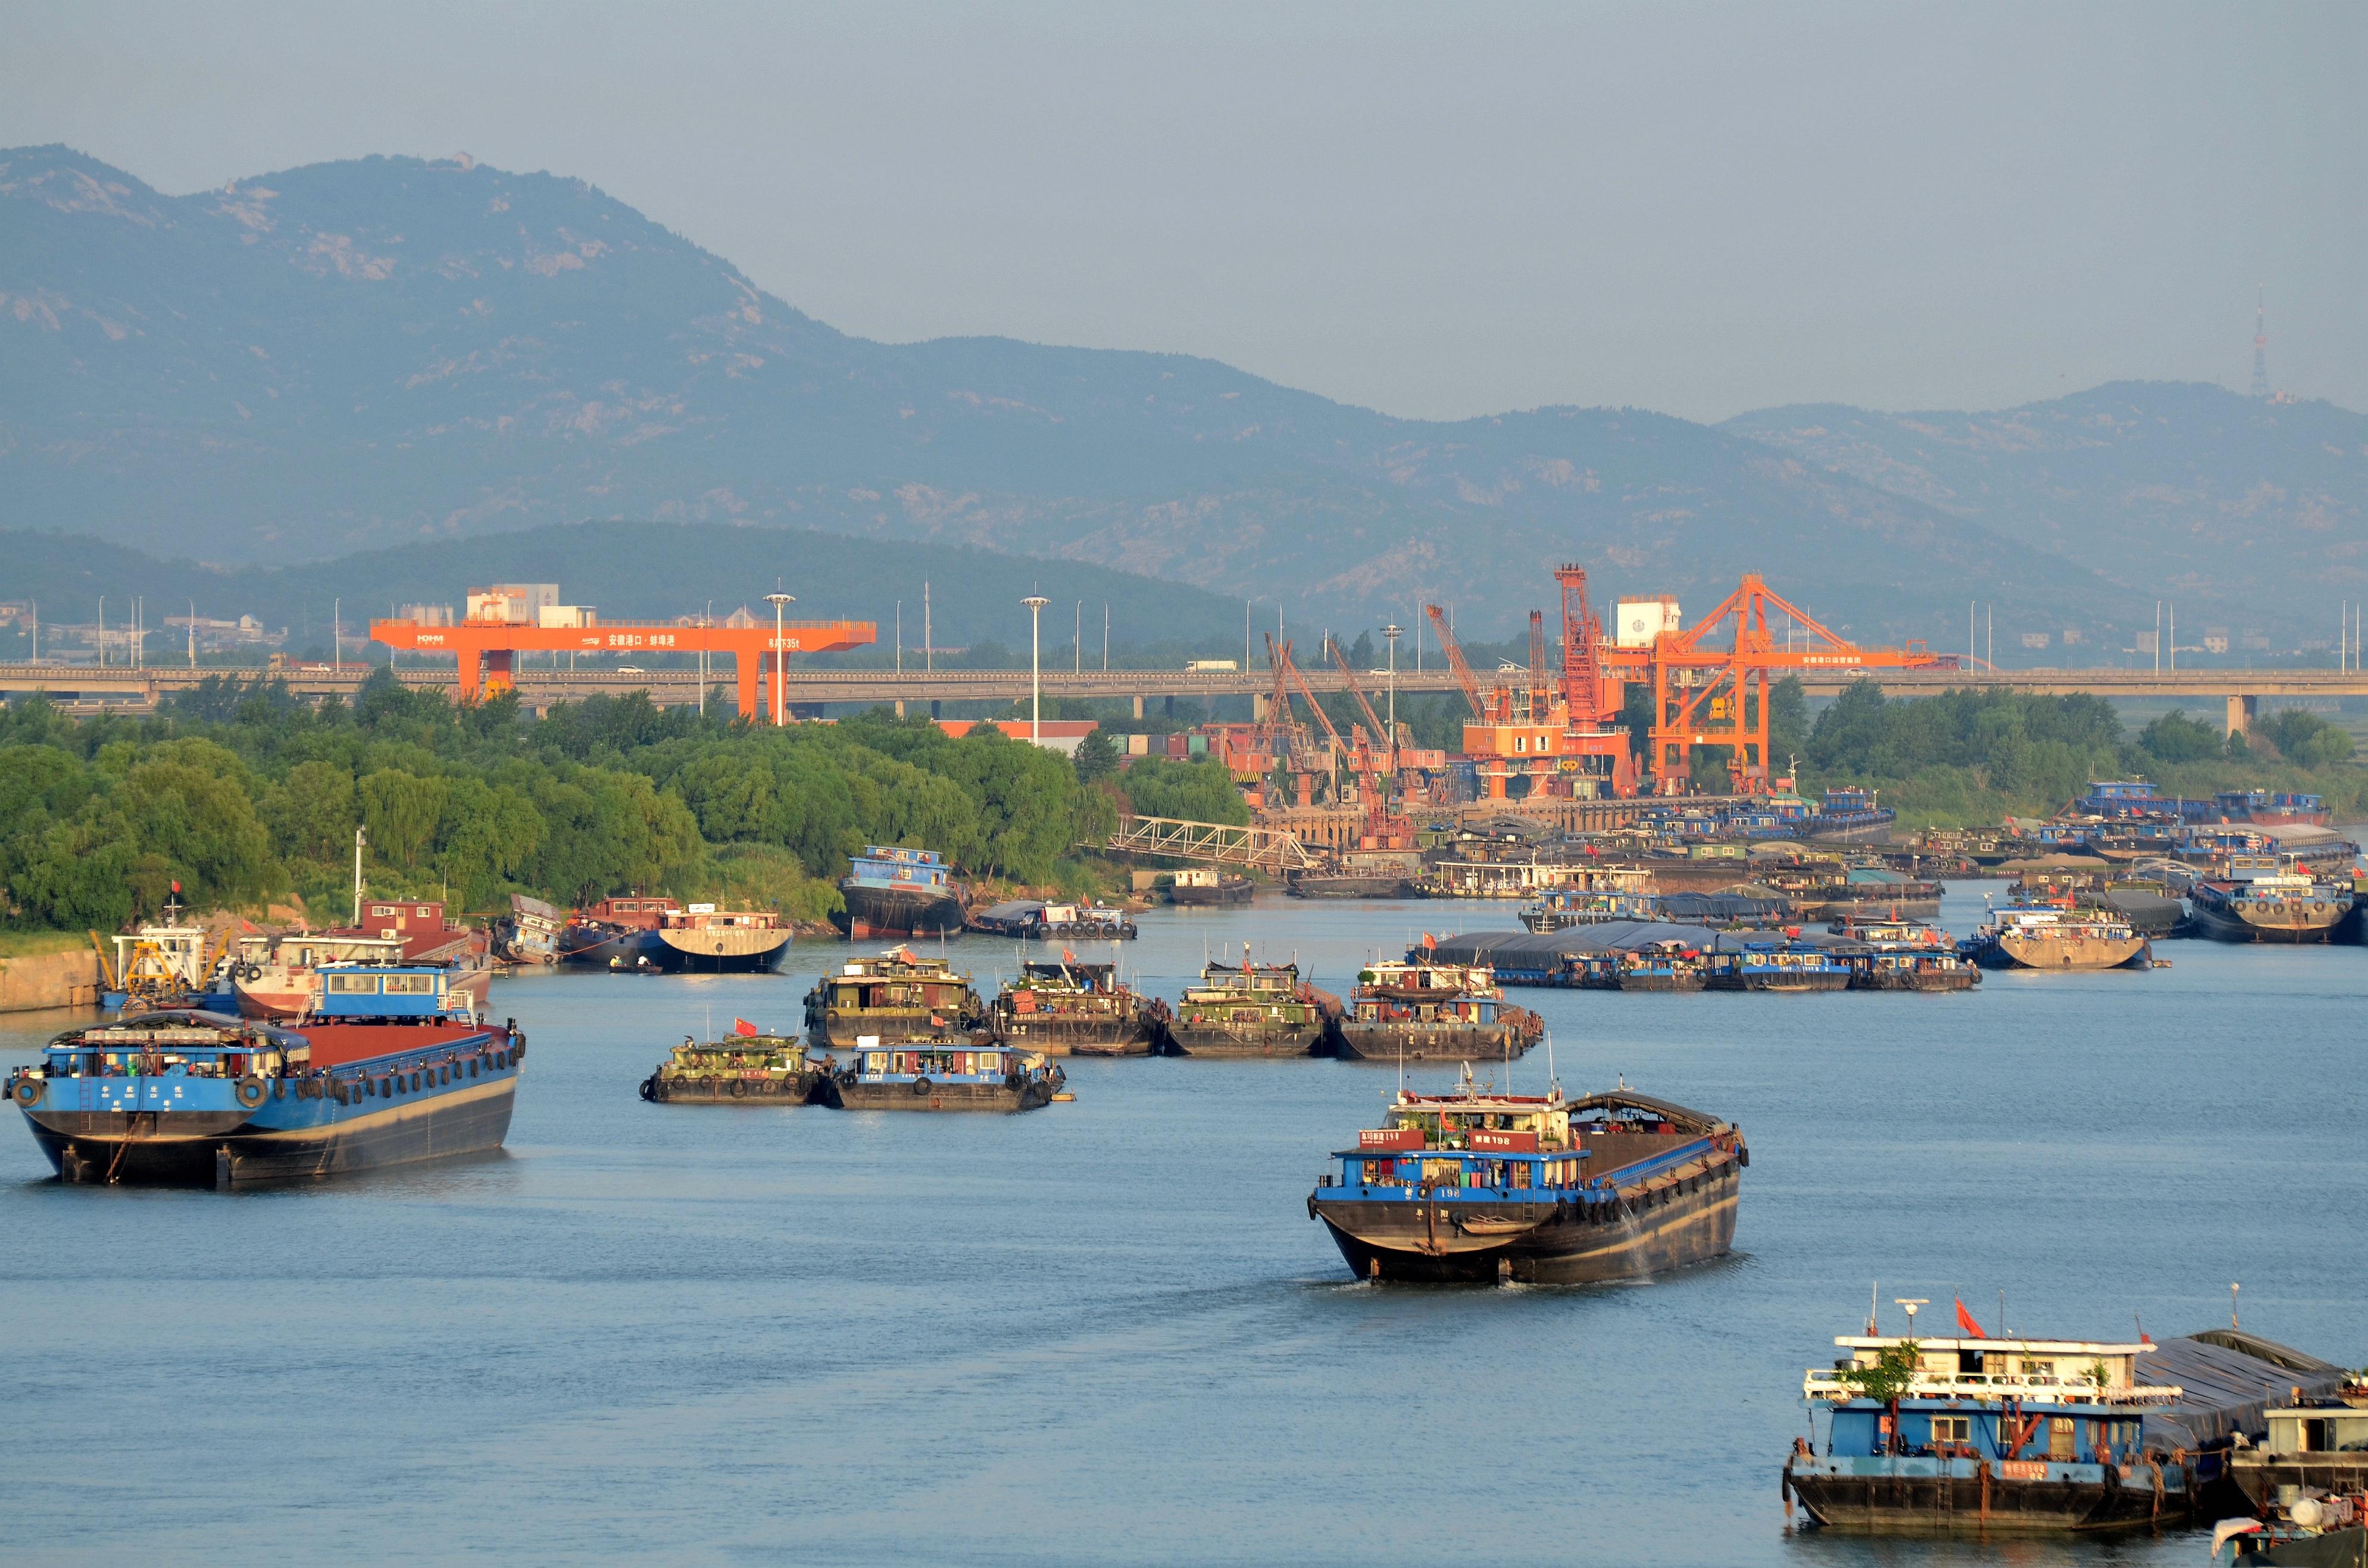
(2331, 1429)
(164, 1045)
(892, 864)
(938, 1061)
(634, 913)
(897, 980)
(387, 990)
(1390, 991)
(2020, 1403)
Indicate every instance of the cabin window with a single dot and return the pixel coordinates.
(1442, 1173)
(1953, 1429)
(410, 984)
(2059, 1438)
(1968, 1362)
(353, 984)
(2042, 1370)
(1522, 1174)
(877, 1061)
(1379, 1173)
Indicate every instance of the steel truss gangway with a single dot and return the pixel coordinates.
(1273, 849)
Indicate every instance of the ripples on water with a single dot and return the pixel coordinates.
(1108, 1332)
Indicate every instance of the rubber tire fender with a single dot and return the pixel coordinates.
(650, 1087)
(739, 1089)
(27, 1092)
(921, 1086)
(251, 1092)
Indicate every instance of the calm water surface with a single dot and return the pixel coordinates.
(1108, 1332)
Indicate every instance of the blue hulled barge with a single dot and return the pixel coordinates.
(1985, 1433)
(393, 1069)
(1481, 1187)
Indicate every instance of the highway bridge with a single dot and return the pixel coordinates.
(86, 686)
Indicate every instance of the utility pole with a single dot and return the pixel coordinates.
(777, 600)
(928, 646)
(1077, 642)
(1989, 634)
(1035, 602)
(358, 875)
(1106, 637)
(337, 649)
(900, 639)
(2157, 637)
(102, 631)
(707, 624)
(193, 634)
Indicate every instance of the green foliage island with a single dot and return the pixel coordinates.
(244, 795)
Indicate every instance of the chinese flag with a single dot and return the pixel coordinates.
(1428, 941)
(1068, 957)
(1965, 1321)
(743, 1027)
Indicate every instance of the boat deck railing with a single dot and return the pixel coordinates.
(1831, 1383)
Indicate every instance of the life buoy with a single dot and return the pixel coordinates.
(28, 1091)
(920, 1087)
(250, 1092)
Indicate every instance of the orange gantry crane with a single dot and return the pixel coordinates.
(487, 649)
(1559, 741)
(1704, 696)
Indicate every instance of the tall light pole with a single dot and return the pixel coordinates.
(193, 634)
(1393, 632)
(777, 600)
(706, 623)
(1035, 602)
(102, 631)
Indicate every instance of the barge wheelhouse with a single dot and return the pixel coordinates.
(1985, 1433)
(895, 996)
(391, 1069)
(1478, 1188)
(948, 1074)
(1068, 1008)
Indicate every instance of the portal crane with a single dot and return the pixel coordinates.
(1454, 651)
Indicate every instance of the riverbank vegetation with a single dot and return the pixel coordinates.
(246, 795)
(1969, 758)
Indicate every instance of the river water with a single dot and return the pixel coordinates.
(1108, 1332)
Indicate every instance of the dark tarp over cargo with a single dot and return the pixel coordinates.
(2231, 1380)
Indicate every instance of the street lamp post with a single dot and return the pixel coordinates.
(1035, 602)
(707, 626)
(1394, 633)
(779, 600)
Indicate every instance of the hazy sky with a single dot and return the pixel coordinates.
(1434, 211)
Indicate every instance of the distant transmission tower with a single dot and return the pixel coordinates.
(2261, 345)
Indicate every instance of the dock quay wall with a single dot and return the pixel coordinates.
(49, 980)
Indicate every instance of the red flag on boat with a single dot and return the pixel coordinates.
(1068, 957)
(936, 1022)
(743, 1027)
(1965, 1321)
(1428, 941)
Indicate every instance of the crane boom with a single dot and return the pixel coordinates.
(1454, 652)
(1340, 663)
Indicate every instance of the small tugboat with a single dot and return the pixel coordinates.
(1068, 1008)
(391, 1069)
(1902, 955)
(946, 1075)
(1477, 1187)
(891, 890)
(658, 935)
(1198, 885)
(1985, 1433)
(1418, 1009)
(2261, 900)
(749, 1067)
(893, 996)
(1253, 1009)
(166, 963)
(2058, 937)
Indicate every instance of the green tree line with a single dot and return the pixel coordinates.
(244, 795)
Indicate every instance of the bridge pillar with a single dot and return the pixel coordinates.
(2242, 711)
(933, 710)
(1171, 705)
(1258, 706)
(900, 708)
(1138, 704)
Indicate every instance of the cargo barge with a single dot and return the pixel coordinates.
(1202, 886)
(658, 935)
(1480, 1188)
(2059, 936)
(946, 1075)
(746, 1067)
(1069, 1009)
(895, 996)
(392, 1070)
(891, 890)
(1253, 1009)
(2260, 899)
(1416, 1010)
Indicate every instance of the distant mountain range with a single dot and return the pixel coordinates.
(356, 354)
